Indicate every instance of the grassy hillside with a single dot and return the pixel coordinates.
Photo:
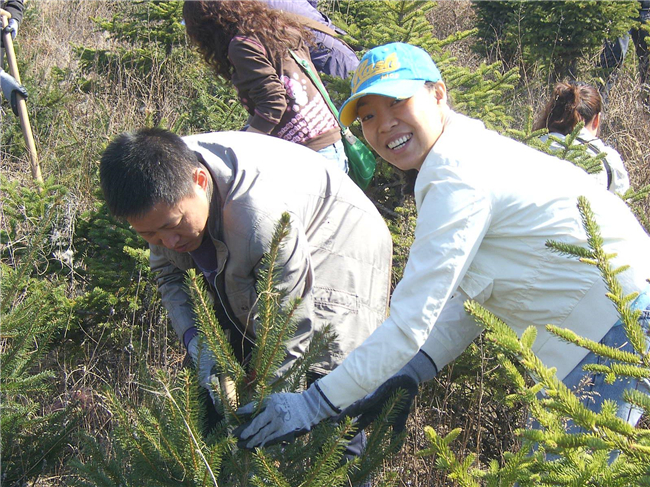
(85, 86)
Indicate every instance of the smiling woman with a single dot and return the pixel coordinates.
(394, 115)
(487, 205)
(390, 125)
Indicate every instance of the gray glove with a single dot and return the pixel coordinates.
(206, 369)
(284, 417)
(421, 368)
(11, 89)
(12, 28)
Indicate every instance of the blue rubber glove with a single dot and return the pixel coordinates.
(11, 89)
(12, 27)
(284, 417)
(420, 369)
(206, 369)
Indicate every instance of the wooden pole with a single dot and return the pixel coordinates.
(22, 106)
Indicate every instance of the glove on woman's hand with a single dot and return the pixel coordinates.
(284, 417)
(420, 369)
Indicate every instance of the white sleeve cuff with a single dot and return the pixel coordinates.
(375, 361)
(453, 332)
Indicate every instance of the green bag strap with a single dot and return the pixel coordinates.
(319, 86)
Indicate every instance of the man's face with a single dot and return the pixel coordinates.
(404, 131)
(178, 227)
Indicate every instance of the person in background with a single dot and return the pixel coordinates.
(574, 102)
(613, 55)
(328, 54)
(15, 8)
(487, 205)
(7, 83)
(212, 202)
(249, 44)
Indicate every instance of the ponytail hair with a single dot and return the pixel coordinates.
(571, 102)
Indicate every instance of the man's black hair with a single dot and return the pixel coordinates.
(141, 169)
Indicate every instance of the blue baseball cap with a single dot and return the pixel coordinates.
(396, 70)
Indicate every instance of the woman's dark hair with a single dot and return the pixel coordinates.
(141, 169)
(570, 103)
(211, 25)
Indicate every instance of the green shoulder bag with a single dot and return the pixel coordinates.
(361, 160)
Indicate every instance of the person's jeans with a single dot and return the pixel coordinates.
(595, 391)
(336, 154)
(640, 39)
(592, 388)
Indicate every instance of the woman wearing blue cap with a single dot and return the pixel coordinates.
(487, 205)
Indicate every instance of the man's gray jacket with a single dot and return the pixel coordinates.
(337, 257)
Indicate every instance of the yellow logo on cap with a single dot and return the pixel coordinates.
(366, 71)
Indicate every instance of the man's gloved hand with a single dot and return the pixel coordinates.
(12, 28)
(284, 417)
(420, 369)
(206, 369)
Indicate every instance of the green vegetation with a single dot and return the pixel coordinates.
(167, 439)
(582, 455)
(552, 37)
(92, 388)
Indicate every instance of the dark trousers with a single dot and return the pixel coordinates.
(613, 55)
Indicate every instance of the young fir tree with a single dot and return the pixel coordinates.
(168, 440)
(551, 35)
(34, 426)
(34, 429)
(150, 48)
(116, 278)
(606, 451)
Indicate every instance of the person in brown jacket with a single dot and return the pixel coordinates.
(249, 44)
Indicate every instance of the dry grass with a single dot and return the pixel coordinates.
(450, 17)
(70, 138)
(466, 395)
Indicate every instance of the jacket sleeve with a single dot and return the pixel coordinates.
(257, 79)
(15, 8)
(453, 217)
(455, 330)
(175, 299)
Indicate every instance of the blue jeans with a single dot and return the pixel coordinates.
(596, 390)
(336, 154)
(592, 387)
